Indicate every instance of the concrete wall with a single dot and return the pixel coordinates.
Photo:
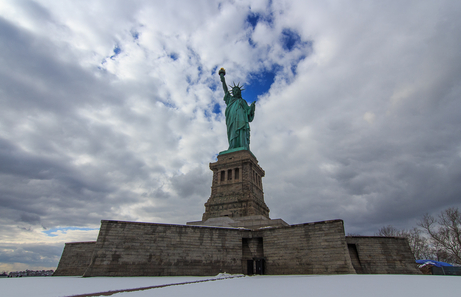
(312, 248)
(381, 255)
(75, 259)
(146, 249)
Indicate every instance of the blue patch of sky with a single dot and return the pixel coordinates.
(117, 51)
(253, 19)
(216, 108)
(259, 83)
(290, 39)
(52, 232)
(168, 104)
(207, 114)
(215, 111)
(174, 56)
(269, 19)
(294, 68)
(214, 71)
(251, 42)
(213, 87)
(135, 35)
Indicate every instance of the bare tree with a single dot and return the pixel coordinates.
(445, 234)
(353, 234)
(390, 230)
(419, 244)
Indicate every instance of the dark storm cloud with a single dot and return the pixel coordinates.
(30, 218)
(32, 76)
(36, 255)
(32, 167)
(192, 183)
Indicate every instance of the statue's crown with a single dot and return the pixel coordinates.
(237, 86)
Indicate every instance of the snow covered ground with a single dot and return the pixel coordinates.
(287, 285)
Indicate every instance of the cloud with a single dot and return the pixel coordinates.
(114, 111)
(369, 117)
(30, 218)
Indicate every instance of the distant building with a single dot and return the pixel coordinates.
(31, 273)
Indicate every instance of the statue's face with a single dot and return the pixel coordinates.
(236, 92)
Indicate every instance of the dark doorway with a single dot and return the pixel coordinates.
(259, 266)
(252, 248)
(256, 263)
(250, 270)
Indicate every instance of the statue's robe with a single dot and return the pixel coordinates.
(238, 117)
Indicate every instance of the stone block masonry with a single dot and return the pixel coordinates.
(237, 189)
(381, 255)
(75, 258)
(312, 248)
(147, 249)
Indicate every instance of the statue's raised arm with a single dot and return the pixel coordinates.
(238, 116)
(222, 72)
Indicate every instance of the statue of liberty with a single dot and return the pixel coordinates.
(238, 116)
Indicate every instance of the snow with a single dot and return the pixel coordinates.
(73, 285)
(222, 285)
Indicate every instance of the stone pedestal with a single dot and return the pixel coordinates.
(237, 188)
(237, 197)
(247, 222)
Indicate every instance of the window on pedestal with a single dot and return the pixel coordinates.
(229, 174)
(223, 175)
(236, 172)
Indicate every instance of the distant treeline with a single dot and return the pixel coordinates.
(28, 273)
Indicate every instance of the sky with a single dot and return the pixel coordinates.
(113, 110)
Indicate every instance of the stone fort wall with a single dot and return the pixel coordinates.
(311, 248)
(75, 258)
(148, 249)
(381, 255)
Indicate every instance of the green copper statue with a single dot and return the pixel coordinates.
(238, 116)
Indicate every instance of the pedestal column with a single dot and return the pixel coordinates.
(237, 189)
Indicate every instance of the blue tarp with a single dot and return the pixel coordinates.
(433, 262)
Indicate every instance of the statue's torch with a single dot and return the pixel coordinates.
(222, 71)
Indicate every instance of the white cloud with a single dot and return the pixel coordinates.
(369, 117)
